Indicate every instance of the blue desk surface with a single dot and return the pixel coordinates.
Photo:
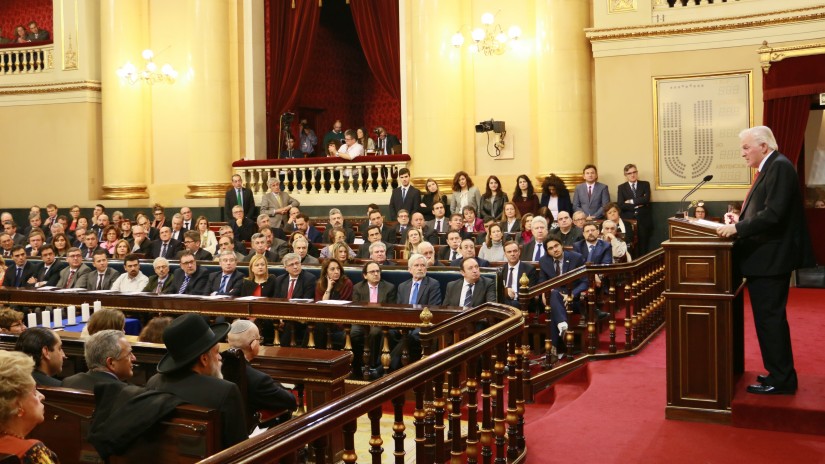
(132, 326)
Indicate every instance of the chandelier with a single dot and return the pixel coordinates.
(149, 74)
(491, 39)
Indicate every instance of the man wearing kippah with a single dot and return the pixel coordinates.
(191, 370)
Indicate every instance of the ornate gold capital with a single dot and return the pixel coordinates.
(768, 55)
(207, 190)
(124, 192)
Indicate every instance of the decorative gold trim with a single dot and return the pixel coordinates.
(768, 55)
(621, 6)
(719, 24)
(207, 190)
(124, 192)
(571, 179)
(50, 88)
(70, 57)
(655, 80)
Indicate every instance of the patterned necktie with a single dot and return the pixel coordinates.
(291, 289)
(222, 288)
(468, 298)
(163, 251)
(633, 187)
(160, 286)
(590, 253)
(70, 279)
(185, 283)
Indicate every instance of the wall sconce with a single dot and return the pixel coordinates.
(489, 40)
(149, 74)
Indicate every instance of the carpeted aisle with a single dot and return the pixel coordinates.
(613, 411)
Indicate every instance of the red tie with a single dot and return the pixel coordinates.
(747, 195)
(291, 289)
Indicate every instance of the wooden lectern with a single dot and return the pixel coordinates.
(704, 307)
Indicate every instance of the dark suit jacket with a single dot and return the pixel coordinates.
(364, 251)
(772, 232)
(571, 260)
(481, 263)
(157, 246)
(595, 205)
(170, 285)
(88, 380)
(528, 252)
(444, 253)
(200, 255)
(245, 231)
(231, 199)
(89, 280)
(267, 288)
(347, 229)
(429, 292)
(84, 250)
(386, 292)
(304, 286)
(411, 202)
(643, 214)
(265, 393)
(483, 292)
(233, 285)
(52, 276)
(197, 282)
(389, 141)
(491, 208)
(40, 378)
(602, 254)
(143, 247)
(30, 270)
(524, 268)
(270, 257)
(564, 201)
(209, 392)
(178, 235)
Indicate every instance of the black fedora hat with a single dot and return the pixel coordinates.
(186, 338)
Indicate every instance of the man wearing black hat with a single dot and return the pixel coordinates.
(191, 370)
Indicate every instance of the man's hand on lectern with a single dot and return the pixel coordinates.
(728, 230)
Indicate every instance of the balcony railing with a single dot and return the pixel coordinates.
(684, 3)
(323, 177)
(26, 60)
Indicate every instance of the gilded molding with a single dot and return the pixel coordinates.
(621, 6)
(708, 25)
(49, 88)
(124, 192)
(571, 179)
(768, 55)
(70, 57)
(207, 190)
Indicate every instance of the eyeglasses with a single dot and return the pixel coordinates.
(374, 271)
(186, 263)
(631, 172)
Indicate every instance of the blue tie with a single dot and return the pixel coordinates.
(590, 253)
(184, 284)
(414, 294)
(19, 277)
(224, 280)
(538, 251)
(468, 298)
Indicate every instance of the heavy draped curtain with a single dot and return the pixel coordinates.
(377, 25)
(291, 34)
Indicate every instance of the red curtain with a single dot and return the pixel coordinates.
(291, 33)
(377, 25)
(787, 118)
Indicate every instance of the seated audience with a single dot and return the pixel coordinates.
(190, 279)
(104, 319)
(524, 197)
(228, 280)
(11, 321)
(153, 332)
(260, 282)
(132, 280)
(464, 193)
(104, 276)
(493, 248)
(46, 349)
(109, 358)
(24, 272)
(161, 282)
(372, 289)
(301, 246)
(48, 273)
(493, 200)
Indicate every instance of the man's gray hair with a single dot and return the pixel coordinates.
(256, 236)
(177, 216)
(262, 217)
(299, 239)
(335, 211)
(378, 244)
(415, 257)
(101, 346)
(289, 257)
(761, 134)
(539, 219)
(425, 244)
(160, 261)
(272, 181)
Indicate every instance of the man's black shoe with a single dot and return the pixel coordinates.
(760, 389)
(761, 378)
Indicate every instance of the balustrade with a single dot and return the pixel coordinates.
(26, 60)
(657, 4)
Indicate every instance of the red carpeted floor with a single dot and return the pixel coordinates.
(614, 411)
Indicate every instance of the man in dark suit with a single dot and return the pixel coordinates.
(23, 273)
(452, 251)
(633, 198)
(535, 249)
(228, 280)
(165, 246)
(263, 392)
(388, 233)
(555, 263)
(592, 248)
(419, 290)
(75, 273)
(90, 245)
(103, 276)
(370, 290)
(405, 196)
(512, 272)
(278, 247)
(241, 196)
(385, 142)
(161, 282)
(189, 278)
(296, 283)
(6, 243)
(336, 219)
(468, 250)
(109, 359)
(192, 242)
(472, 290)
(191, 371)
(46, 349)
(259, 248)
(11, 229)
(373, 235)
(771, 242)
(566, 232)
(590, 196)
(49, 272)
(139, 240)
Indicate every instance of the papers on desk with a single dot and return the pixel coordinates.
(334, 302)
(179, 295)
(214, 297)
(47, 287)
(248, 298)
(706, 223)
(102, 291)
(301, 300)
(258, 430)
(71, 290)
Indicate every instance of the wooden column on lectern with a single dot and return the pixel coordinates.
(705, 349)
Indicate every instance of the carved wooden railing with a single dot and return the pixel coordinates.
(657, 4)
(487, 361)
(323, 177)
(631, 293)
(26, 60)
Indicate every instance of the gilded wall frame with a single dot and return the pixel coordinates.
(696, 123)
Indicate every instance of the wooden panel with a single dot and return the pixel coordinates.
(694, 269)
(698, 350)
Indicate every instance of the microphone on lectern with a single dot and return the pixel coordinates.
(705, 180)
